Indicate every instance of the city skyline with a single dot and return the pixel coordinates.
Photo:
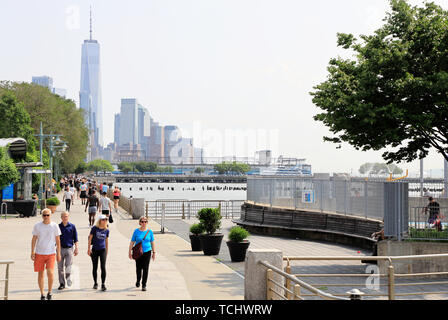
(234, 66)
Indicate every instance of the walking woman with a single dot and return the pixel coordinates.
(92, 204)
(99, 240)
(116, 198)
(145, 236)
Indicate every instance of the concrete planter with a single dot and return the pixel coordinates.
(238, 250)
(195, 242)
(52, 208)
(211, 243)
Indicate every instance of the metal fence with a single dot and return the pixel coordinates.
(357, 197)
(187, 209)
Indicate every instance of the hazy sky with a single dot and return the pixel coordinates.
(215, 68)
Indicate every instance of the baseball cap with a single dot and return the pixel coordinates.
(101, 217)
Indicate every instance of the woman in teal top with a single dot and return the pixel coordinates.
(142, 263)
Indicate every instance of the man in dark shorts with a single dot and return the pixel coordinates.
(434, 213)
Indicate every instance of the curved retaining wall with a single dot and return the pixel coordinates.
(311, 225)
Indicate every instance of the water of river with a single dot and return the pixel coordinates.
(184, 191)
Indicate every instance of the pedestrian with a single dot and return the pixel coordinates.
(73, 191)
(104, 187)
(92, 204)
(98, 248)
(78, 188)
(145, 236)
(45, 247)
(434, 213)
(68, 197)
(69, 248)
(83, 195)
(117, 194)
(105, 207)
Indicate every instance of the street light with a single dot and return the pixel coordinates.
(52, 137)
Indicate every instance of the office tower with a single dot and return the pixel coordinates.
(156, 143)
(129, 122)
(60, 92)
(198, 155)
(90, 92)
(171, 139)
(44, 81)
(185, 145)
(144, 124)
(117, 129)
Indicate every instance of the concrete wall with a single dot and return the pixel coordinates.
(407, 248)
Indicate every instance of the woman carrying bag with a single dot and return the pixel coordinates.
(141, 249)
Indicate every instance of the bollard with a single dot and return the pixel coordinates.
(391, 282)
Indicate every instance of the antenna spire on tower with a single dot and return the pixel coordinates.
(90, 22)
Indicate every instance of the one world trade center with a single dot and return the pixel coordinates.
(90, 94)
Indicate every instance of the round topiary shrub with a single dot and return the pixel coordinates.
(238, 234)
(210, 218)
(52, 201)
(197, 229)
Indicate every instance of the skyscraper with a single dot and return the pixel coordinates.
(129, 122)
(44, 81)
(90, 93)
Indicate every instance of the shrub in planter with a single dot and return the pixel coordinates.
(210, 218)
(238, 244)
(52, 203)
(196, 230)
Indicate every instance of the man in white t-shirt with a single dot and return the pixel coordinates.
(45, 246)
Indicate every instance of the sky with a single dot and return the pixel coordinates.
(234, 75)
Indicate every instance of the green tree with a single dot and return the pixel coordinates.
(143, 166)
(15, 120)
(125, 167)
(100, 165)
(380, 169)
(57, 114)
(229, 167)
(81, 167)
(8, 171)
(199, 170)
(394, 93)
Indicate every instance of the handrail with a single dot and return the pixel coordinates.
(390, 258)
(301, 283)
(6, 280)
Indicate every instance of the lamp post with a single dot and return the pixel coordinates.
(41, 139)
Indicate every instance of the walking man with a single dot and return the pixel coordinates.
(69, 248)
(45, 247)
(68, 197)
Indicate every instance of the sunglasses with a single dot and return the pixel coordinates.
(143, 221)
(45, 215)
(103, 219)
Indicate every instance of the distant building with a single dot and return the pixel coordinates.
(90, 92)
(60, 92)
(129, 122)
(117, 129)
(198, 156)
(171, 139)
(44, 81)
(130, 153)
(156, 143)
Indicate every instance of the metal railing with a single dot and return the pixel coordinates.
(426, 223)
(292, 280)
(6, 279)
(187, 209)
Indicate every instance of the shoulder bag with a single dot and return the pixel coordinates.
(137, 250)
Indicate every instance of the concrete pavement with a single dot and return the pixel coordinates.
(177, 272)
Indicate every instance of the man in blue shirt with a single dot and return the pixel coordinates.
(69, 247)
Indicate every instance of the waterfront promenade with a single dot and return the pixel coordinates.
(177, 272)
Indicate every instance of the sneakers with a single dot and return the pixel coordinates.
(49, 296)
(95, 286)
(42, 297)
(143, 288)
(61, 287)
(103, 287)
(69, 283)
(137, 284)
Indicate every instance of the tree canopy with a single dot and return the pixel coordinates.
(57, 114)
(394, 93)
(380, 169)
(231, 167)
(8, 171)
(99, 165)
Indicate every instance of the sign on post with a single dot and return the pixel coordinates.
(308, 196)
(8, 193)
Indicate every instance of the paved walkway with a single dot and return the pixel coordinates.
(177, 272)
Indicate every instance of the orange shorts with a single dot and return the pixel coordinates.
(42, 260)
